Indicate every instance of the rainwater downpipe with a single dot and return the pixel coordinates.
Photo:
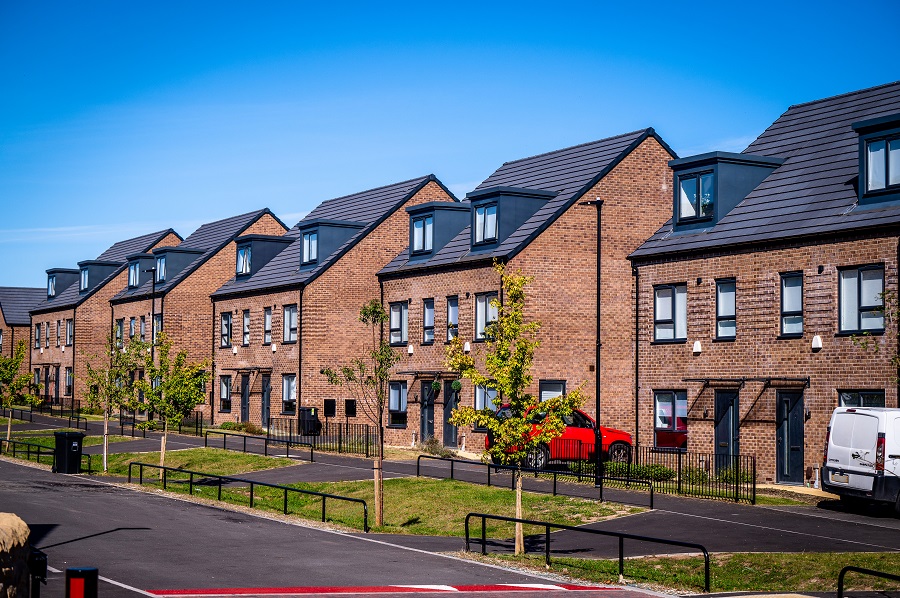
(637, 346)
(300, 349)
(598, 343)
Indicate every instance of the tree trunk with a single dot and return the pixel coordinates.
(162, 447)
(105, 439)
(520, 536)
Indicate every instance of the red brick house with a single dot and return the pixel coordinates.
(169, 287)
(15, 322)
(750, 296)
(294, 308)
(569, 218)
(72, 323)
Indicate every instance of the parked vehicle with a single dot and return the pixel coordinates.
(862, 455)
(577, 443)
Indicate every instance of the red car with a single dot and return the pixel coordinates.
(578, 441)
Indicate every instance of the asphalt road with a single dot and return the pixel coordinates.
(145, 542)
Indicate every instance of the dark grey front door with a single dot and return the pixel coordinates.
(266, 393)
(451, 401)
(789, 437)
(245, 398)
(426, 421)
(728, 422)
(56, 385)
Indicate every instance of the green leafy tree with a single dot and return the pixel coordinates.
(172, 388)
(367, 378)
(507, 358)
(890, 311)
(110, 381)
(16, 387)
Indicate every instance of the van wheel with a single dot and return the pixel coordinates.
(897, 506)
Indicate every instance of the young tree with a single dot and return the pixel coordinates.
(16, 388)
(367, 379)
(109, 380)
(172, 388)
(507, 358)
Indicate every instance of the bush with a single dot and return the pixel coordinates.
(655, 473)
(248, 427)
(433, 446)
(728, 476)
(694, 475)
(229, 426)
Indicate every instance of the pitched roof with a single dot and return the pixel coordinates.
(16, 302)
(813, 192)
(208, 240)
(570, 172)
(72, 297)
(369, 208)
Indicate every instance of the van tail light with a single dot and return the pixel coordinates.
(825, 451)
(879, 453)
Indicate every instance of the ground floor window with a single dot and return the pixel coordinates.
(861, 398)
(289, 394)
(550, 389)
(397, 404)
(670, 421)
(225, 394)
(69, 382)
(350, 408)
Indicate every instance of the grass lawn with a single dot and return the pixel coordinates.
(207, 460)
(46, 437)
(732, 572)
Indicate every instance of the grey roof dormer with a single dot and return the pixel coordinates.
(262, 248)
(177, 259)
(497, 212)
(97, 271)
(145, 263)
(329, 236)
(879, 159)
(447, 220)
(708, 186)
(63, 278)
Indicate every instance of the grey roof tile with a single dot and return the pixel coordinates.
(17, 302)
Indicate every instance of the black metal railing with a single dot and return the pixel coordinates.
(38, 450)
(253, 484)
(537, 472)
(194, 424)
(130, 426)
(871, 572)
(18, 413)
(620, 535)
(338, 437)
(260, 439)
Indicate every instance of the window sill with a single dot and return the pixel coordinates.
(878, 332)
(397, 426)
(288, 342)
(224, 346)
(288, 413)
(403, 344)
(725, 339)
(426, 343)
(784, 337)
(674, 341)
(267, 344)
(229, 411)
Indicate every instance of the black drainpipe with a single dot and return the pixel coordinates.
(637, 346)
(299, 349)
(212, 376)
(74, 361)
(598, 344)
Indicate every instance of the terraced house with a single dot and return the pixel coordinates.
(750, 296)
(292, 305)
(72, 323)
(569, 218)
(168, 288)
(15, 322)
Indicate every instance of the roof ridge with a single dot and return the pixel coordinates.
(842, 95)
(571, 147)
(418, 178)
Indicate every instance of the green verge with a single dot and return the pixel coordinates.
(732, 572)
(47, 439)
(208, 460)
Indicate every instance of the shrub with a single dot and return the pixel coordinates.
(229, 426)
(655, 473)
(694, 475)
(728, 476)
(433, 446)
(248, 427)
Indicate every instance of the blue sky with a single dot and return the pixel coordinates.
(121, 118)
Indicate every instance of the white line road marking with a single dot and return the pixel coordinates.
(113, 582)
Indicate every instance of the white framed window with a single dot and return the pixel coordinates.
(225, 329)
(428, 321)
(452, 317)
(51, 285)
(486, 223)
(485, 313)
(84, 279)
(243, 260)
(289, 394)
(696, 196)
(792, 304)
(134, 274)
(397, 404)
(310, 247)
(267, 326)
(423, 234)
(861, 301)
(550, 389)
(670, 312)
(399, 323)
(289, 332)
(726, 315)
(161, 268)
(225, 394)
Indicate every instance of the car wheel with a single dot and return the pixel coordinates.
(620, 452)
(538, 458)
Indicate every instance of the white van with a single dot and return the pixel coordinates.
(862, 454)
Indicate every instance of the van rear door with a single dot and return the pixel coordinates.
(851, 449)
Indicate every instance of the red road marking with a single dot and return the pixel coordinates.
(374, 590)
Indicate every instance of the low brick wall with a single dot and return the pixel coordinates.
(13, 556)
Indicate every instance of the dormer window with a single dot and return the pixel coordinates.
(51, 286)
(84, 279)
(486, 223)
(161, 269)
(134, 274)
(423, 234)
(883, 164)
(243, 260)
(696, 196)
(310, 247)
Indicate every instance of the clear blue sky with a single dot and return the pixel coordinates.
(121, 118)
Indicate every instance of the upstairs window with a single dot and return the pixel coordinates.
(47, 334)
(134, 274)
(423, 234)
(452, 317)
(245, 330)
(225, 330)
(485, 314)
(310, 247)
(726, 322)
(51, 286)
(670, 312)
(267, 326)
(132, 327)
(696, 196)
(120, 333)
(428, 321)
(399, 323)
(243, 260)
(792, 304)
(143, 329)
(883, 164)
(289, 332)
(397, 405)
(84, 280)
(58, 331)
(486, 223)
(37, 336)
(861, 301)
(157, 327)
(161, 269)
(70, 332)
